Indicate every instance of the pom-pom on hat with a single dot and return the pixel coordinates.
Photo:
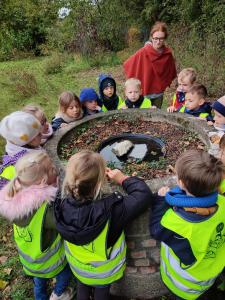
(20, 128)
(88, 94)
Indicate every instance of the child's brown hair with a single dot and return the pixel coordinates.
(159, 26)
(200, 172)
(199, 89)
(85, 175)
(65, 100)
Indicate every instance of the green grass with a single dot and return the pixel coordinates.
(28, 81)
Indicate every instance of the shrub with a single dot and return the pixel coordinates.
(202, 54)
(54, 64)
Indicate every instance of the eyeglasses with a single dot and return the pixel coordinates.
(158, 39)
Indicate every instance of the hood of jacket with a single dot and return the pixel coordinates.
(81, 222)
(25, 202)
(101, 78)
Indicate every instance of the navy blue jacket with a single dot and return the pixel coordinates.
(56, 123)
(204, 108)
(81, 222)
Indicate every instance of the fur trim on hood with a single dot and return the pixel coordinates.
(25, 202)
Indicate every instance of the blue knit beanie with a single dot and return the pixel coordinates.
(88, 94)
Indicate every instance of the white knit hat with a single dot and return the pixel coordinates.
(20, 128)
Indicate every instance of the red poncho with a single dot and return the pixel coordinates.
(155, 70)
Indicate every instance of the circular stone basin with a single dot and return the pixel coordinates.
(144, 147)
(141, 279)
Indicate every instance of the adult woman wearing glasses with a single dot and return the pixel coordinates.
(153, 64)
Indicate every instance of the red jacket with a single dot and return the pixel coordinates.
(155, 70)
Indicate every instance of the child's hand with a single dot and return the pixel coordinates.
(171, 109)
(98, 108)
(45, 128)
(210, 123)
(115, 175)
(63, 125)
(154, 107)
(123, 106)
(163, 190)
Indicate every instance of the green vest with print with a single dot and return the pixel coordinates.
(145, 104)
(201, 115)
(38, 263)
(207, 240)
(104, 109)
(93, 264)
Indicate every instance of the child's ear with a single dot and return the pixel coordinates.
(180, 183)
(201, 101)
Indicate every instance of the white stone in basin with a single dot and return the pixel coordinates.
(122, 148)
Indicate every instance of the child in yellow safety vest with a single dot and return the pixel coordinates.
(92, 223)
(189, 222)
(195, 103)
(134, 98)
(22, 132)
(26, 201)
(186, 78)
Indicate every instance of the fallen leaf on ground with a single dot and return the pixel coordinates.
(7, 271)
(200, 147)
(3, 284)
(3, 259)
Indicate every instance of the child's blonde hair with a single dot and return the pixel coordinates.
(85, 175)
(33, 168)
(133, 81)
(36, 111)
(188, 72)
(65, 100)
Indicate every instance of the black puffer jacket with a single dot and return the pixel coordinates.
(81, 222)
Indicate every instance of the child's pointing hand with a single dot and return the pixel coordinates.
(115, 175)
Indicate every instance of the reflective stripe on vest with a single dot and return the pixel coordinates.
(201, 115)
(191, 281)
(104, 109)
(174, 100)
(93, 264)
(44, 258)
(178, 280)
(45, 264)
(53, 268)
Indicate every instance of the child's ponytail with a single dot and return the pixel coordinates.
(13, 187)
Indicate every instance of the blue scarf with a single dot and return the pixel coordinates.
(178, 197)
